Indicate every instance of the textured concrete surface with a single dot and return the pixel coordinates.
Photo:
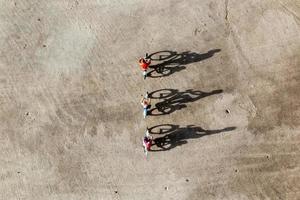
(225, 86)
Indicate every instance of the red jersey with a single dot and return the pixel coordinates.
(144, 65)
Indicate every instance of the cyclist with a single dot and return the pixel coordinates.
(145, 102)
(147, 141)
(144, 64)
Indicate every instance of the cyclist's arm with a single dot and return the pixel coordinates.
(142, 99)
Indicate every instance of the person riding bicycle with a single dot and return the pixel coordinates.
(145, 102)
(147, 142)
(144, 63)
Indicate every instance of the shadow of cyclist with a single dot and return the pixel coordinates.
(174, 62)
(174, 136)
(173, 100)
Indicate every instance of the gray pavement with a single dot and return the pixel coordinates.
(224, 83)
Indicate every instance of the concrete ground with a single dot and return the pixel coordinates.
(225, 88)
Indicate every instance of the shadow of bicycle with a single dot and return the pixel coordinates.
(174, 135)
(173, 100)
(171, 61)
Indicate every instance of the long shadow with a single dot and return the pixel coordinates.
(176, 136)
(173, 100)
(171, 61)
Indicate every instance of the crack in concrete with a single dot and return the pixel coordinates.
(234, 36)
(290, 11)
(226, 10)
